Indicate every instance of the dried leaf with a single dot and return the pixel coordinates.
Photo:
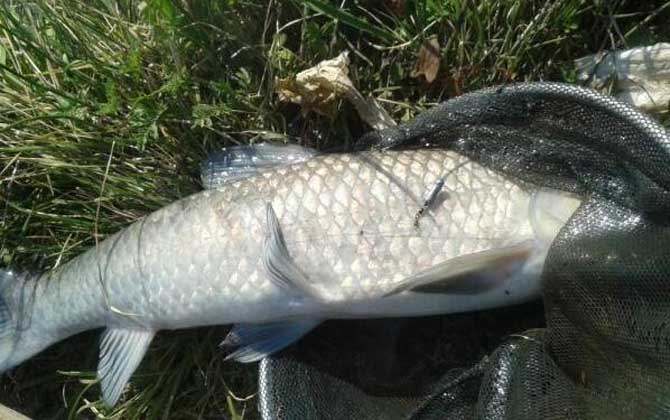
(428, 60)
(320, 87)
(396, 6)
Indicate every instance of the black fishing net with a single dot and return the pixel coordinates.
(605, 350)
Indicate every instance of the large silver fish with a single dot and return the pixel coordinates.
(374, 234)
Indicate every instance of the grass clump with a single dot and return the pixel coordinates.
(107, 108)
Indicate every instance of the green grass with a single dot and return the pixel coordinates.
(107, 107)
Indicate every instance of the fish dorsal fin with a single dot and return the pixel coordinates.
(277, 262)
(239, 162)
(469, 274)
(257, 341)
(121, 351)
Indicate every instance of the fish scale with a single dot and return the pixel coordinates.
(345, 226)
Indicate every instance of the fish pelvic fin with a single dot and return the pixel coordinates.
(469, 274)
(278, 264)
(121, 351)
(254, 342)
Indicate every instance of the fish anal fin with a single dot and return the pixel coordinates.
(121, 351)
(254, 342)
(471, 273)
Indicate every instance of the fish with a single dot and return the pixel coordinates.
(278, 250)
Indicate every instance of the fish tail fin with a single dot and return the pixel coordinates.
(8, 329)
(17, 341)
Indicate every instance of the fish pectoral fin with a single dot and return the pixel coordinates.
(278, 264)
(121, 351)
(468, 274)
(254, 342)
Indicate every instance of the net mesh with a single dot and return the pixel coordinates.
(605, 349)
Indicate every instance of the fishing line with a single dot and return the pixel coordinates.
(103, 284)
(434, 192)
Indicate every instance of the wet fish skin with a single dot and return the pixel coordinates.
(348, 223)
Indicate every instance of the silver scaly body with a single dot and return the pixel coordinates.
(346, 243)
